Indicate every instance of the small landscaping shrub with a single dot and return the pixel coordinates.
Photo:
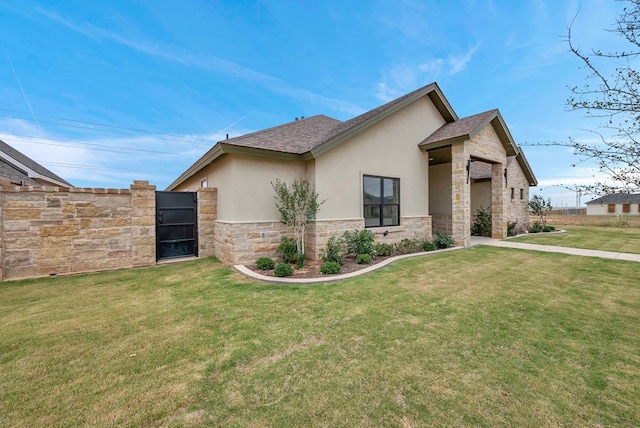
(482, 225)
(300, 261)
(442, 240)
(364, 259)
(536, 227)
(408, 246)
(511, 228)
(283, 269)
(382, 249)
(548, 229)
(333, 251)
(359, 241)
(265, 263)
(429, 246)
(288, 250)
(330, 267)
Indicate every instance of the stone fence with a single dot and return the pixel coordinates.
(54, 230)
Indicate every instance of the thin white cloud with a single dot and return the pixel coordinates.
(209, 62)
(401, 78)
(459, 63)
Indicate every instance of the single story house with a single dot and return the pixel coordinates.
(17, 169)
(614, 204)
(402, 170)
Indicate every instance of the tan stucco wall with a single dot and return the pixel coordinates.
(388, 148)
(244, 185)
(480, 196)
(440, 189)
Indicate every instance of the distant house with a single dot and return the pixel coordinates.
(403, 170)
(19, 170)
(615, 203)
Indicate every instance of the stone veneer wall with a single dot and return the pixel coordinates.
(442, 223)
(319, 232)
(517, 209)
(55, 230)
(207, 214)
(245, 242)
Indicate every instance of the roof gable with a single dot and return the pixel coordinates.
(27, 166)
(359, 123)
(466, 128)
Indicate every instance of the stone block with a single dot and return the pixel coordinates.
(111, 200)
(16, 225)
(92, 212)
(102, 233)
(13, 258)
(21, 214)
(19, 272)
(60, 230)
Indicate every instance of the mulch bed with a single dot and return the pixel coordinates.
(312, 268)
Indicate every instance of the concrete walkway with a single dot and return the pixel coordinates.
(475, 240)
(555, 249)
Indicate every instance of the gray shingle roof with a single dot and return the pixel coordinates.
(617, 198)
(464, 127)
(29, 163)
(295, 137)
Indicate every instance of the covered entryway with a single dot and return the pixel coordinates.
(176, 224)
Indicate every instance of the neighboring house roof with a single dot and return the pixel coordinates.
(20, 169)
(308, 138)
(617, 198)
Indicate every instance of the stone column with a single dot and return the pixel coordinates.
(460, 196)
(143, 223)
(207, 214)
(498, 205)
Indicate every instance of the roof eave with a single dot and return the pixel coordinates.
(221, 148)
(504, 134)
(444, 143)
(526, 168)
(212, 154)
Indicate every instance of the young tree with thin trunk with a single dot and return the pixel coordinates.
(298, 204)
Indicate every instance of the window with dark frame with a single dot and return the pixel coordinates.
(513, 193)
(611, 208)
(626, 208)
(521, 194)
(381, 200)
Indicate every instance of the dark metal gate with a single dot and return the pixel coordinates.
(176, 224)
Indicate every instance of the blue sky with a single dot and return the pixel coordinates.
(105, 92)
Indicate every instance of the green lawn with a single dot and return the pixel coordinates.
(619, 239)
(478, 337)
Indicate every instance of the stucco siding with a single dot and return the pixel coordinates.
(244, 185)
(388, 148)
(440, 189)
